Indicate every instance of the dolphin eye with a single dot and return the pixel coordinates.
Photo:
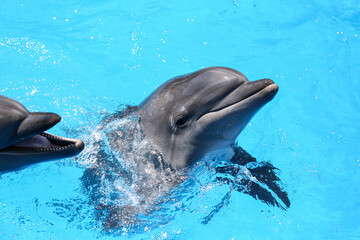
(180, 121)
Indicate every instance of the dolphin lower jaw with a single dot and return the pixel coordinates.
(17, 157)
(45, 144)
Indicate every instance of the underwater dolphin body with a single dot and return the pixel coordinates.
(23, 140)
(192, 115)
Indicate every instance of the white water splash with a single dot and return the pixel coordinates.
(125, 175)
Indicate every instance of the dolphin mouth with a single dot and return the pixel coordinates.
(247, 95)
(45, 144)
(24, 140)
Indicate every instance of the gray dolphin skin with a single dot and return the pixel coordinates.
(23, 140)
(198, 113)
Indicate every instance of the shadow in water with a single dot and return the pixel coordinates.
(257, 179)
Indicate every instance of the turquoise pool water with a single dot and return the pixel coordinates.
(82, 59)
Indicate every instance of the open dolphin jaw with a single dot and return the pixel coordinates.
(24, 140)
(46, 142)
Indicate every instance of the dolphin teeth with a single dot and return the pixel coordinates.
(54, 148)
(62, 144)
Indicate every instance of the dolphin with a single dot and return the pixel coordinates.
(23, 140)
(141, 152)
(192, 115)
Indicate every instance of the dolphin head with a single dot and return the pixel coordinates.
(23, 140)
(192, 115)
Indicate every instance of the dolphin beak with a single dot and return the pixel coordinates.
(250, 95)
(36, 123)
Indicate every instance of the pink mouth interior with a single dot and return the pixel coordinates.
(37, 141)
